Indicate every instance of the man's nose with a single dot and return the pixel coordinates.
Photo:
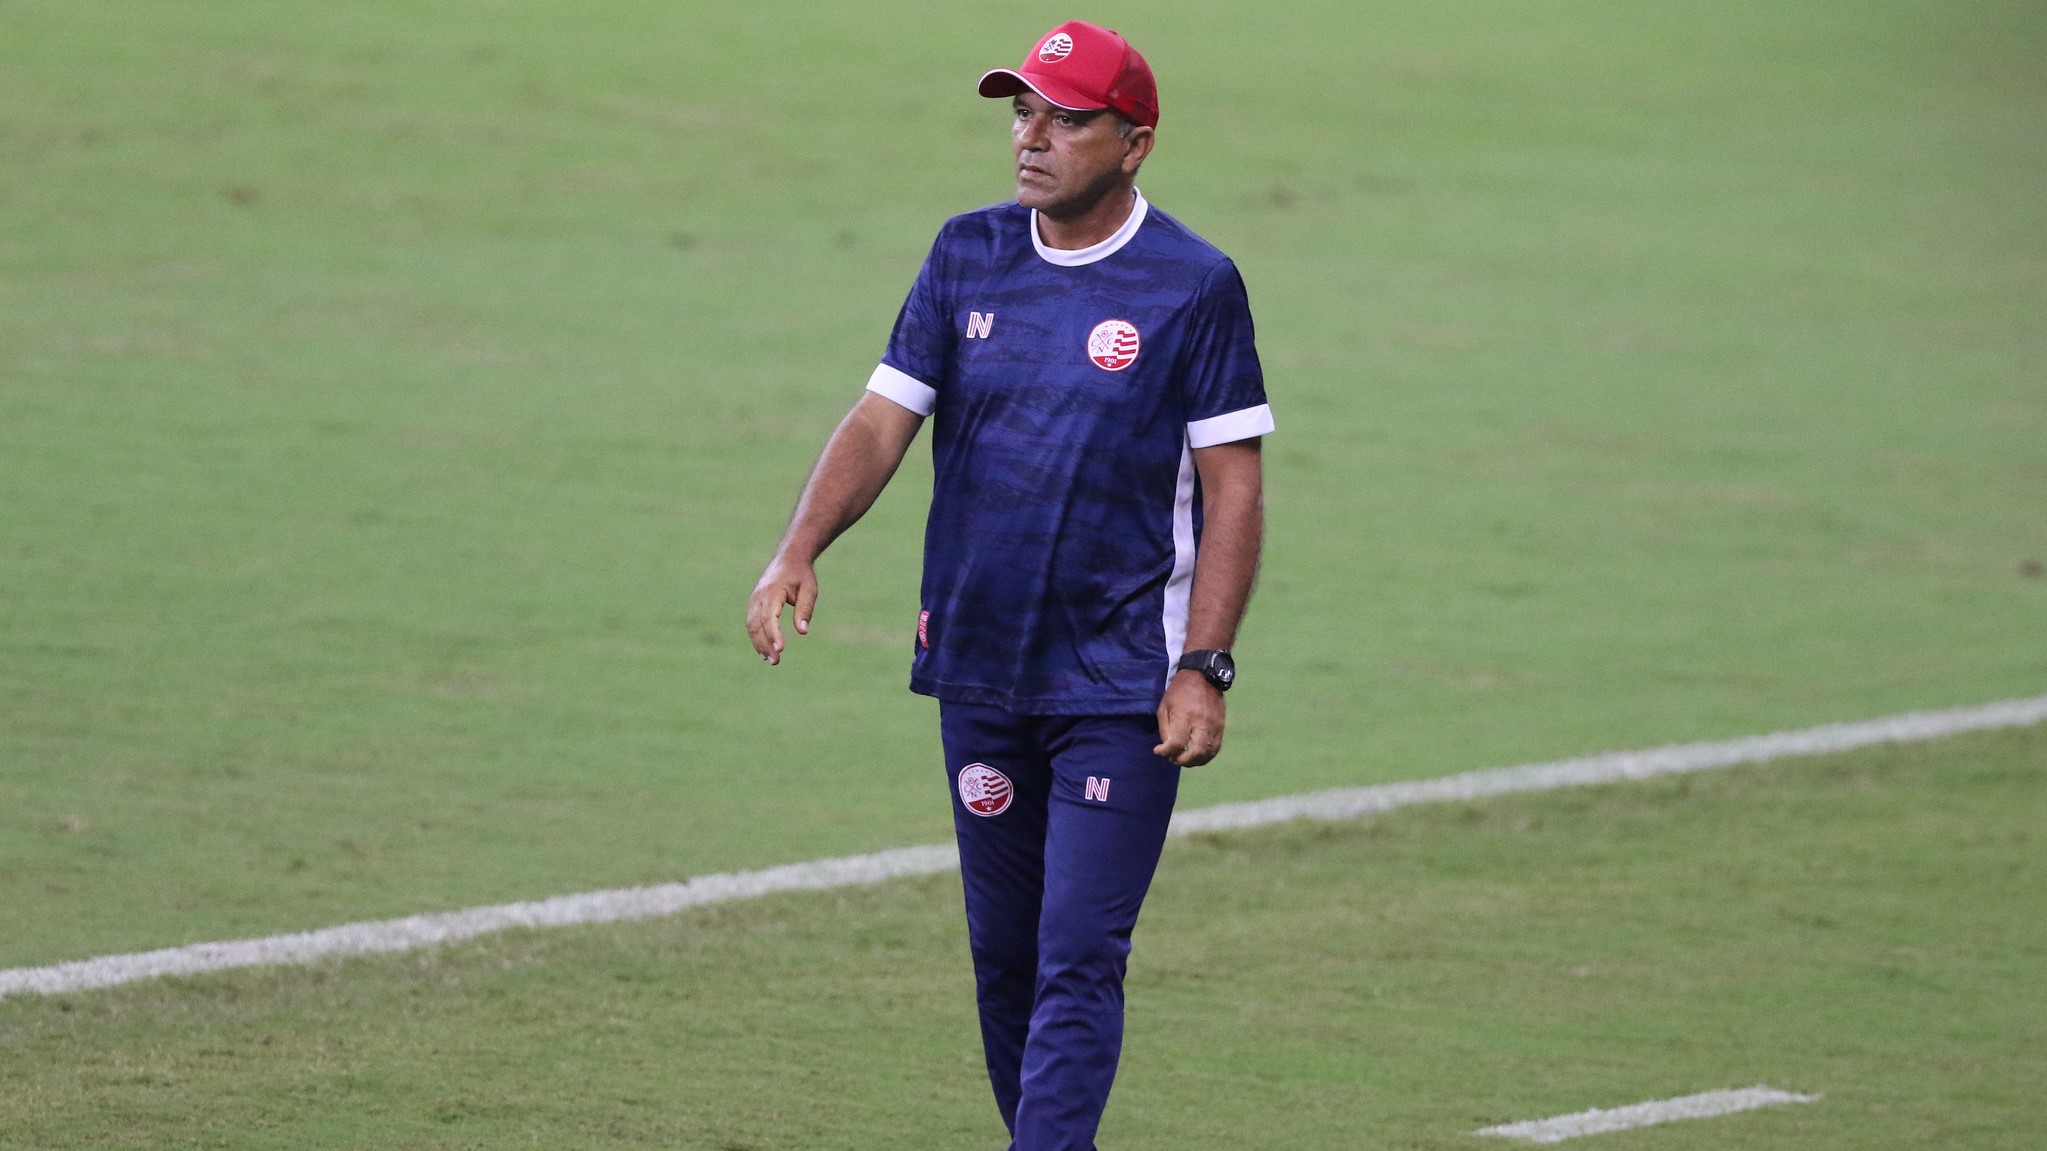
(1030, 134)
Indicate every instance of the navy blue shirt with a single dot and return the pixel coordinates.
(1067, 390)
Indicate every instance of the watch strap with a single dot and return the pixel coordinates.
(1215, 665)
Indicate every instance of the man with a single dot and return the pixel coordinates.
(1097, 403)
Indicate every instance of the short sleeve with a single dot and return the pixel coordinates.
(921, 344)
(1224, 388)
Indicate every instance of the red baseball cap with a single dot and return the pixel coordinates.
(1083, 67)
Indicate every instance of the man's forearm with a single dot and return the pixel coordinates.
(856, 464)
(1191, 713)
(1233, 532)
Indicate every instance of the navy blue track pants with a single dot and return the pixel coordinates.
(1060, 821)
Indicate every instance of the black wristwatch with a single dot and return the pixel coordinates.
(1214, 664)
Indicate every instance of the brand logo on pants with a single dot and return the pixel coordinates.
(984, 790)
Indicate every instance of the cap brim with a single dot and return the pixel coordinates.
(1003, 82)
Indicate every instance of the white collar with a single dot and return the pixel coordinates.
(1075, 257)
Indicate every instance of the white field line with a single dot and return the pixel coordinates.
(417, 931)
(1597, 1122)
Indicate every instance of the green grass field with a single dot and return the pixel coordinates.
(1867, 928)
(398, 400)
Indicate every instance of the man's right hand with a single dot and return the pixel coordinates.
(785, 582)
(857, 463)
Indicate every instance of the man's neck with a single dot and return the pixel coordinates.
(1090, 227)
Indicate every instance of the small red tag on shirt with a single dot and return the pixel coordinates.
(924, 629)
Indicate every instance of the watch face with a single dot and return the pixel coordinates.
(1215, 666)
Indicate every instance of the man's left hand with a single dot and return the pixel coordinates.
(1190, 720)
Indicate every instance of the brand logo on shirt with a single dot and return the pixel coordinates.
(979, 325)
(1056, 47)
(924, 629)
(1098, 789)
(984, 790)
(1113, 345)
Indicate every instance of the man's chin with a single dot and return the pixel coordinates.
(1031, 196)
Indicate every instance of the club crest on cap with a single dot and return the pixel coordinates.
(984, 790)
(1058, 46)
(1113, 345)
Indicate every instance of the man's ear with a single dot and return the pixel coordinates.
(1136, 147)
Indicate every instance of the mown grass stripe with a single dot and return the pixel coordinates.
(417, 931)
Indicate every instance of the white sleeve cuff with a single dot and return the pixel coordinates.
(1227, 428)
(904, 389)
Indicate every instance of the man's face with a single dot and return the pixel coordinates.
(1066, 161)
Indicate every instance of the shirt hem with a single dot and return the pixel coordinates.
(1037, 705)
